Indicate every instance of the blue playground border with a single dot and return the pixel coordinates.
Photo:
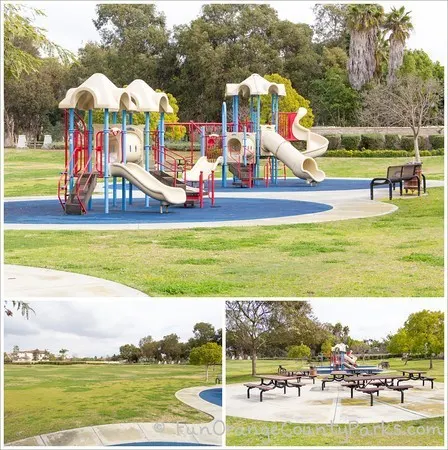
(213, 395)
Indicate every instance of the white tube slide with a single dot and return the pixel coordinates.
(316, 145)
(148, 184)
(204, 166)
(350, 361)
(302, 165)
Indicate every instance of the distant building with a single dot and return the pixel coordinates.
(30, 355)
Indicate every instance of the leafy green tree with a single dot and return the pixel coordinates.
(15, 349)
(203, 333)
(170, 346)
(23, 41)
(130, 353)
(290, 103)
(35, 355)
(330, 24)
(400, 342)
(299, 352)
(398, 23)
(149, 347)
(418, 63)
(326, 347)
(206, 355)
(363, 23)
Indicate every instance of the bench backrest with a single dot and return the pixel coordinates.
(396, 173)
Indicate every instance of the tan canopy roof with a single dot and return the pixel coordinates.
(98, 92)
(255, 85)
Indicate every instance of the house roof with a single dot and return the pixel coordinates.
(255, 85)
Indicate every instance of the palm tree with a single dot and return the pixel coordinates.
(363, 22)
(381, 55)
(398, 22)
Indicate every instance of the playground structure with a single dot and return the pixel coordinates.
(123, 150)
(342, 359)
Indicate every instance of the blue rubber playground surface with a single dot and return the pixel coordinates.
(212, 396)
(50, 211)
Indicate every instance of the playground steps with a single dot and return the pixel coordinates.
(87, 184)
(243, 174)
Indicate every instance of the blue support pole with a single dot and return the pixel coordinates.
(90, 147)
(245, 145)
(275, 114)
(123, 157)
(224, 144)
(202, 141)
(258, 138)
(235, 113)
(114, 179)
(131, 118)
(147, 135)
(162, 140)
(71, 146)
(106, 161)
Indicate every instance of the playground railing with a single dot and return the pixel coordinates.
(85, 185)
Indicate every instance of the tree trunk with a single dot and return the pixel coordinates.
(395, 59)
(416, 149)
(9, 130)
(430, 361)
(254, 362)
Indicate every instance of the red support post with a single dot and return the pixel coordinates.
(201, 189)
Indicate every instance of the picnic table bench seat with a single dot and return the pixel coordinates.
(351, 385)
(398, 174)
(297, 385)
(401, 388)
(430, 379)
(371, 391)
(261, 387)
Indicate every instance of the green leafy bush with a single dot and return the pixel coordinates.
(393, 141)
(407, 143)
(374, 141)
(350, 141)
(437, 141)
(423, 143)
(334, 141)
(380, 153)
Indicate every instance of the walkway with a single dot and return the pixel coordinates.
(334, 405)
(209, 433)
(24, 281)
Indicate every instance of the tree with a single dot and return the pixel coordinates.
(130, 353)
(426, 329)
(23, 41)
(418, 63)
(62, 352)
(170, 346)
(409, 102)
(398, 23)
(15, 349)
(291, 102)
(250, 321)
(203, 333)
(206, 355)
(400, 342)
(299, 352)
(363, 22)
(326, 347)
(330, 24)
(35, 355)
(23, 307)
(149, 348)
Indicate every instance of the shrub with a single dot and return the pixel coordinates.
(393, 141)
(334, 141)
(423, 143)
(437, 141)
(374, 141)
(370, 153)
(407, 143)
(350, 141)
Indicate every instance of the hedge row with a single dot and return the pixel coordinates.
(379, 141)
(380, 153)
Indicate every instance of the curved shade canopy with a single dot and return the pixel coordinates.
(255, 85)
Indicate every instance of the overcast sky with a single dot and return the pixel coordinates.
(70, 24)
(95, 327)
(99, 327)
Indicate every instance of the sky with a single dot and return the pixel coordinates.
(69, 23)
(97, 327)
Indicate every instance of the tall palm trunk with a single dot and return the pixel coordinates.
(395, 59)
(361, 64)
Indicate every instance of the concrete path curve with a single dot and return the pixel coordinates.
(25, 281)
(334, 405)
(210, 433)
(346, 204)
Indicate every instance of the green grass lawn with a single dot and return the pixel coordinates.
(36, 172)
(398, 254)
(247, 432)
(47, 398)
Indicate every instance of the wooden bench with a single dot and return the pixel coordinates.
(401, 388)
(297, 385)
(398, 174)
(371, 391)
(430, 379)
(261, 387)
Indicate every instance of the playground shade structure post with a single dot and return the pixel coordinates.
(203, 143)
(123, 157)
(147, 134)
(235, 113)
(114, 179)
(162, 140)
(106, 161)
(258, 138)
(224, 144)
(90, 147)
(71, 145)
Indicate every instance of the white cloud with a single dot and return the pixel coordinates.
(98, 327)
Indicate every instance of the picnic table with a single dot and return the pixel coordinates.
(274, 382)
(335, 375)
(379, 379)
(414, 374)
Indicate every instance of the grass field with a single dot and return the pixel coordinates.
(36, 172)
(246, 432)
(48, 398)
(399, 254)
